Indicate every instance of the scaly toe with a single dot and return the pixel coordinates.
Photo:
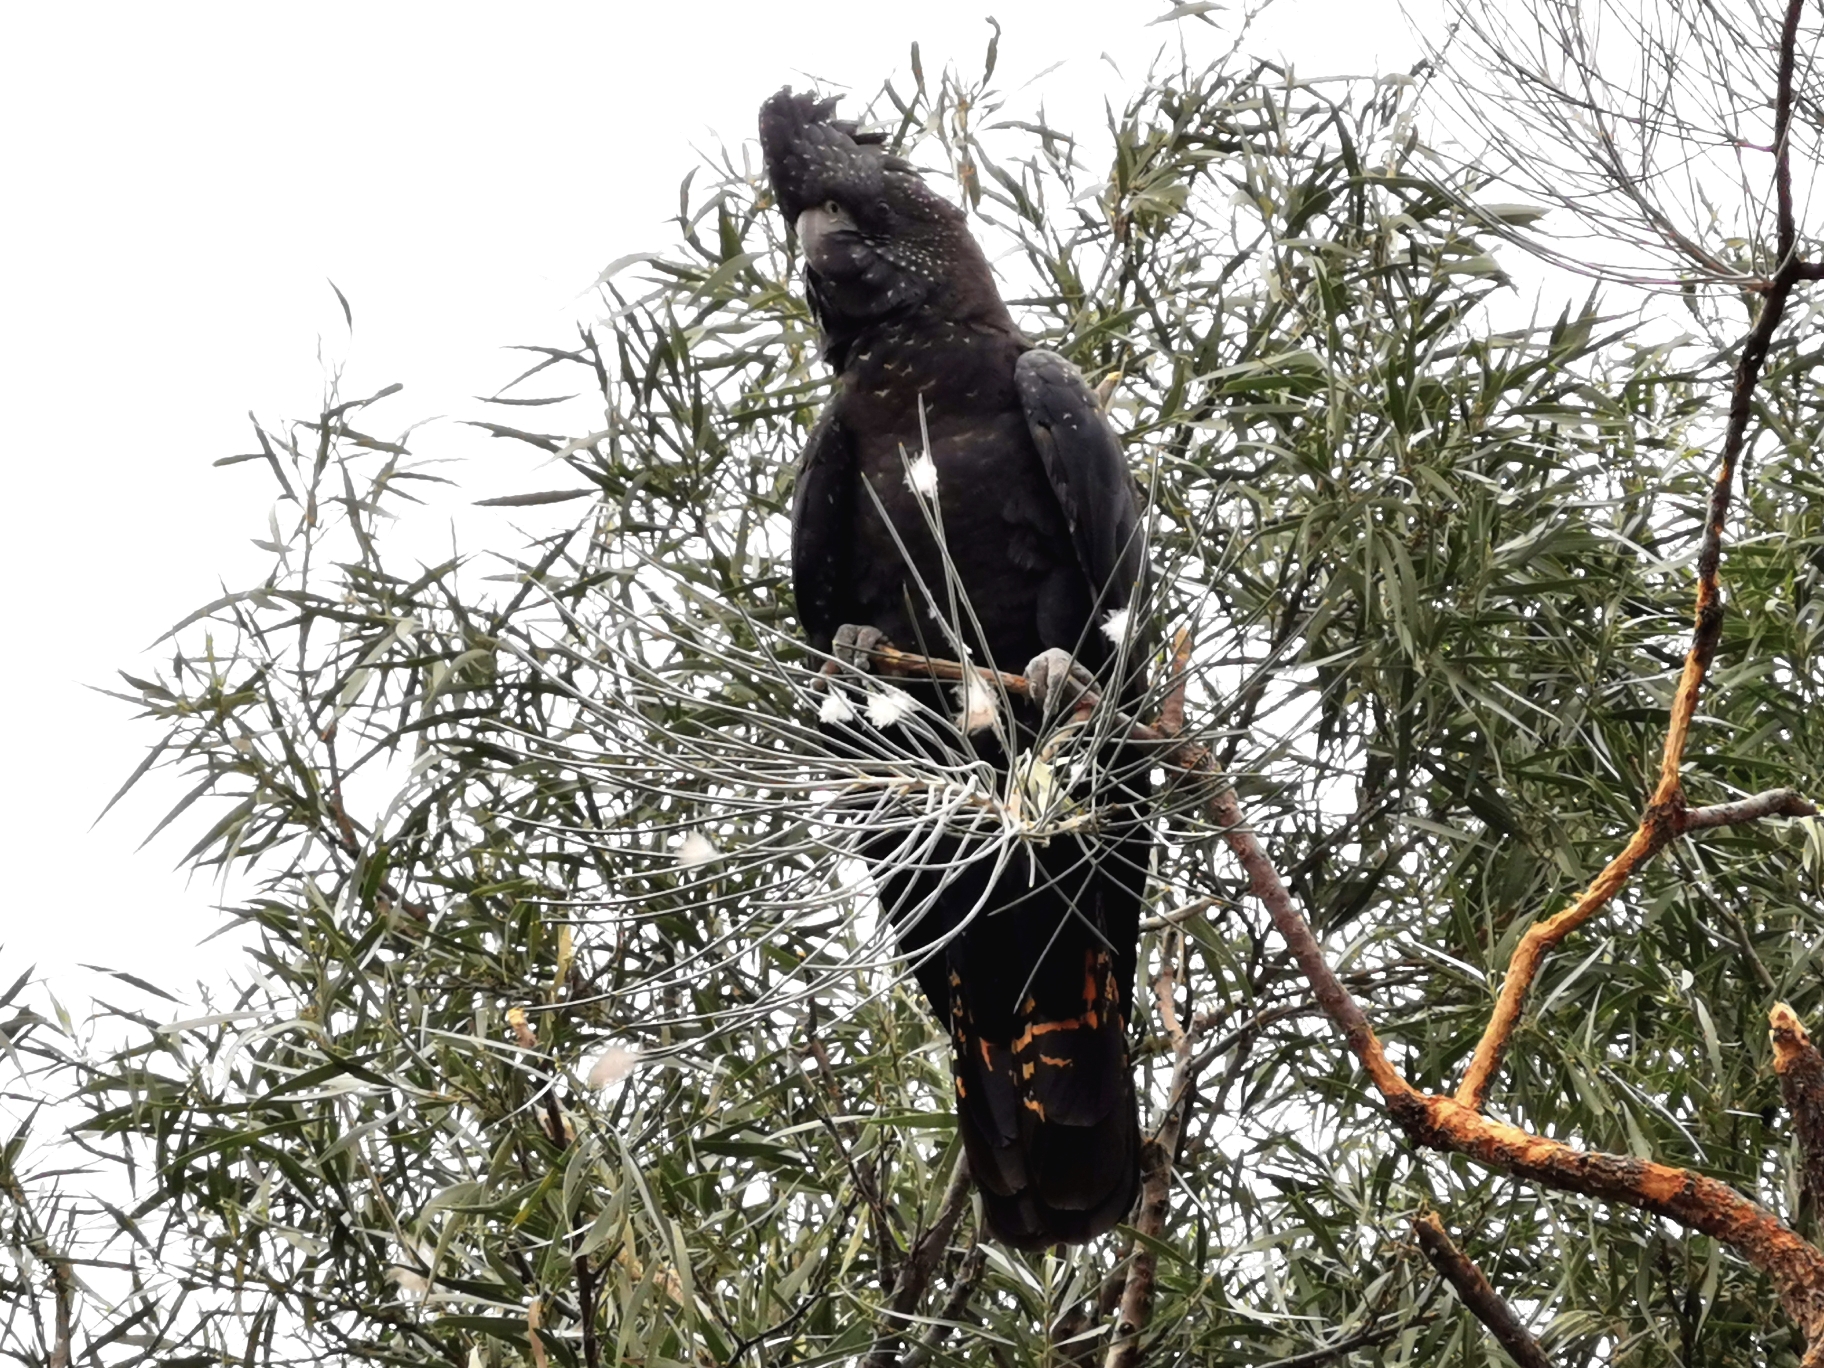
(854, 645)
(1050, 676)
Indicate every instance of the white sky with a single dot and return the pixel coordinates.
(179, 183)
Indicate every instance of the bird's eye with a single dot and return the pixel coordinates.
(831, 207)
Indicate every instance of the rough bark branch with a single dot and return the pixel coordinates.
(1447, 1125)
(1801, 1071)
(1780, 802)
(1474, 1291)
(920, 1263)
(1655, 832)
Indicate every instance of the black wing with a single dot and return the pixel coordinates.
(822, 509)
(1088, 473)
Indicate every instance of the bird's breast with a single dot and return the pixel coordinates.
(968, 514)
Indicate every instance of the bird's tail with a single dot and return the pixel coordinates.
(1049, 1119)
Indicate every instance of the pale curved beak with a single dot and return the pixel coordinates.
(817, 225)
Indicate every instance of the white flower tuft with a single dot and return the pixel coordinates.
(890, 705)
(977, 703)
(1115, 625)
(695, 851)
(921, 475)
(616, 1062)
(835, 708)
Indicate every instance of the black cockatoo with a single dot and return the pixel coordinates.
(1040, 520)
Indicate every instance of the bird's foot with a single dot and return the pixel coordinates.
(854, 645)
(1055, 682)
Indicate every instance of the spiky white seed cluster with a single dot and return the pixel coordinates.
(1115, 625)
(695, 851)
(890, 705)
(921, 475)
(835, 708)
(977, 703)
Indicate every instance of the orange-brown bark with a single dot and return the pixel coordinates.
(1801, 1071)
(1795, 1266)
(1523, 966)
(1666, 815)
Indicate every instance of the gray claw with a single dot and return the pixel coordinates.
(854, 643)
(1055, 682)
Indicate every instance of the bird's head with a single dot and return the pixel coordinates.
(878, 242)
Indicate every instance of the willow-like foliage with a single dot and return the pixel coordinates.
(570, 1034)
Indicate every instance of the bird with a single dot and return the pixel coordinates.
(1028, 962)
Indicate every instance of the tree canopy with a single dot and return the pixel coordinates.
(568, 1035)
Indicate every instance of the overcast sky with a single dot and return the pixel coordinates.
(181, 181)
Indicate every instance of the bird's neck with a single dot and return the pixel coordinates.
(920, 343)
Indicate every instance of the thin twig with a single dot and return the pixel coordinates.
(1179, 915)
(1474, 1291)
(1171, 715)
(1361, 1339)
(846, 1136)
(62, 1281)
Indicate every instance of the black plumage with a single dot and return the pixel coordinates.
(1041, 524)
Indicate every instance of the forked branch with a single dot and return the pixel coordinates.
(1666, 815)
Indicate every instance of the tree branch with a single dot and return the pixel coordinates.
(966, 1278)
(1171, 715)
(920, 1263)
(1795, 1267)
(62, 1281)
(1474, 1291)
(1156, 1156)
(1649, 838)
(585, 1298)
(1781, 802)
(1801, 1072)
